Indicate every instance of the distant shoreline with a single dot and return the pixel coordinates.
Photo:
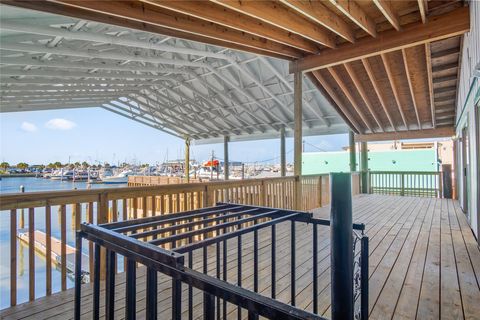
(18, 175)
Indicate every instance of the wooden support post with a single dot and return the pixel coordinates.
(283, 160)
(187, 159)
(297, 140)
(364, 166)
(226, 167)
(353, 156)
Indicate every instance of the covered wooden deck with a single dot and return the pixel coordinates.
(424, 263)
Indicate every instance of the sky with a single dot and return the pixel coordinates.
(97, 135)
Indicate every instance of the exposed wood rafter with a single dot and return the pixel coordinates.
(385, 7)
(350, 98)
(393, 86)
(408, 72)
(448, 25)
(428, 59)
(413, 134)
(355, 13)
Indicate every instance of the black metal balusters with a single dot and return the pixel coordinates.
(131, 287)
(96, 283)
(273, 261)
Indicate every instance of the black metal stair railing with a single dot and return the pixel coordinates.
(191, 234)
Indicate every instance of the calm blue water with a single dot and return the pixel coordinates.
(12, 185)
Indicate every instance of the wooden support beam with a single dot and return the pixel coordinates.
(350, 98)
(364, 166)
(377, 90)
(443, 67)
(226, 165)
(272, 12)
(428, 59)
(440, 27)
(422, 7)
(297, 138)
(410, 87)
(145, 17)
(412, 134)
(317, 12)
(187, 159)
(444, 79)
(338, 102)
(215, 13)
(283, 160)
(352, 151)
(355, 13)
(363, 94)
(392, 83)
(385, 7)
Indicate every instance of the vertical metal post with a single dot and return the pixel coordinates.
(297, 140)
(283, 159)
(110, 286)
(151, 303)
(226, 165)
(187, 159)
(96, 283)
(274, 260)
(78, 273)
(364, 166)
(341, 246)
(130, 307)
(353, 154)
(176, 299)
(315, 268)
(364, 279)
(292, 263)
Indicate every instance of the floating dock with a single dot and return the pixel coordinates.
(41, 247)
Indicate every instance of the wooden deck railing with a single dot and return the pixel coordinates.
(33, 213)
(418, 184)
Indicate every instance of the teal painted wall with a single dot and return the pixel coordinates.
(392, 160)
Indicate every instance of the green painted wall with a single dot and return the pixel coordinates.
(392, 160)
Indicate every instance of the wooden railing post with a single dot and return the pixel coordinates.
(298, 193)
(263, 194)
(102, 217)
(402, 184)
(320, 191)
(206, 196)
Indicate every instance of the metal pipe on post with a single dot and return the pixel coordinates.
(283, 160)
(341, 246)
(353, 156)
(297, 138)
(187, 159)
(226, 166)
(364, 166)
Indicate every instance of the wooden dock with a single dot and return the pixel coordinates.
(41, 247)
(424, 264)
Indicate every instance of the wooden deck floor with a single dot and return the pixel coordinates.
(424, 264)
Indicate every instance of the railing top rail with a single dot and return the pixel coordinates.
(44, 198)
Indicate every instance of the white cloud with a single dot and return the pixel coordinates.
(28, 126)
(60, 124)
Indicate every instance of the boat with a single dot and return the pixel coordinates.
(122, 177)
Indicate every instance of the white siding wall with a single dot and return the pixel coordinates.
(466, 112)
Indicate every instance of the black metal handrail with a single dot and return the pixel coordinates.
(138, 242)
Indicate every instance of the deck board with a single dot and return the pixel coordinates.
(424, 263)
